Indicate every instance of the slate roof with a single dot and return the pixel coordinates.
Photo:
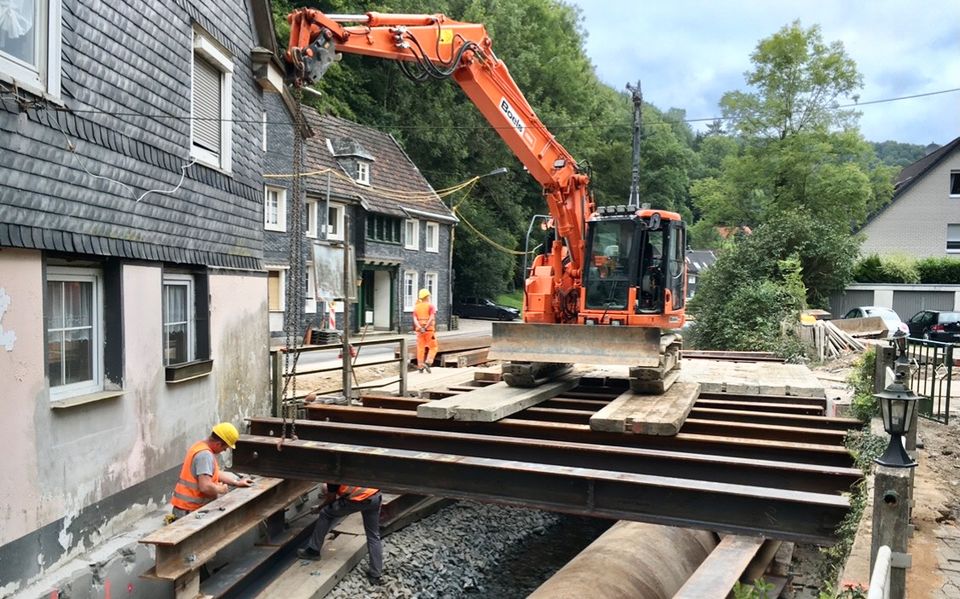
(912, 173)
(700, 260)
(396, 185)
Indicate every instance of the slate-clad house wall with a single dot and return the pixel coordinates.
(105, 384)
(391, 265)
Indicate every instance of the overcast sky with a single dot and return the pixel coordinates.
(687, 53)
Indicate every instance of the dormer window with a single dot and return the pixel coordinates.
(363, 173)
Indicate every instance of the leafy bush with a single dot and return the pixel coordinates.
(864, 404)
(943, 271)
(761, 280)
(886, 269)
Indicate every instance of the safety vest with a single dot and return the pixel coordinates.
(421, 311)
(356, 493)
(187, 495)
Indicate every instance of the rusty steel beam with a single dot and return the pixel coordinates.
(747, 471)
(754, 417)
(772, 432)
(778, 408)
(808, 453)
(771, 399)
(789, 515)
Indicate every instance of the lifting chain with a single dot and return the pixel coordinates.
(296, 280)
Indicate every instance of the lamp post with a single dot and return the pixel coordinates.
(897, 406)
(892, 479)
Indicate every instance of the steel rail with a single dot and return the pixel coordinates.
(739, 509)
(808, 453)
(803, 431)
(746, 471)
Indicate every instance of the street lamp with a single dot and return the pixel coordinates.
(897, 405)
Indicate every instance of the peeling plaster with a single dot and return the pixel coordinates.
(64, 538)
(7, 338)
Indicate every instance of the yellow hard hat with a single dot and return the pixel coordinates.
(227, 433)
(424, 293)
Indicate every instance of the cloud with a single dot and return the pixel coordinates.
(688, 53)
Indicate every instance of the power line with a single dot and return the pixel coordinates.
(557, 127)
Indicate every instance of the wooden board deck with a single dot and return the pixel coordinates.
(648, 414)
(496, 401)
(723, 567)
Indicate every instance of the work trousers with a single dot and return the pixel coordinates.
(369, 508)
(426, 342)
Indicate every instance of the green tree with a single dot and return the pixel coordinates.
(800, 150)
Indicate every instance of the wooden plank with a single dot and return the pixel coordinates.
(720, 571)
(492, 375)
(648, 414)
(489, 404)
(463, 359)
(188, 543)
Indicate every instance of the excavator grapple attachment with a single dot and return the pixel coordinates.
(578, 344)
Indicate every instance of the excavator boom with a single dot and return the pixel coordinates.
(627, 302)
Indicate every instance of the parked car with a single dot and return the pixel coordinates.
(890, 318)
(935, 326)
(472, 307)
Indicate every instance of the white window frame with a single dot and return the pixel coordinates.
(310, 300)
(208, 48)
(948, 239)
(311, 214)
(953, 173)
(431, 282)
(435, 247)
(340, 211)
(188, 282)
(264, 131)
(281, 288)
(410, 291)
(281, 224)
(95, 277)
(411, 234)
(42, 78)
(363, 173)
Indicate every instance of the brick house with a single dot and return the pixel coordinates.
(133, 300)
(923, 218)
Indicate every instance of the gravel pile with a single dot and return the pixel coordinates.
(448, 554)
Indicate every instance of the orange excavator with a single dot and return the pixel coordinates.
(609, 280)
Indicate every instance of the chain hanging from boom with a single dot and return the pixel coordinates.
(296, 280)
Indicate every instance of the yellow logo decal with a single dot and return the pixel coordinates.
(446, 36)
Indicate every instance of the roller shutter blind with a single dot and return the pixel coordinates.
(206, 105)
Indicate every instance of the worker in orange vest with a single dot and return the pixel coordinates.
(201, 480)
(340, 501)
(425, 325)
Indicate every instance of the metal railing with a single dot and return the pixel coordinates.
(278, 376)
(932, 377)
(880, 578)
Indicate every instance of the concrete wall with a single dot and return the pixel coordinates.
(915, 224)
(73, 476)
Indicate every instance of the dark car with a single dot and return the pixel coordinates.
(935, 326)
(472, 307)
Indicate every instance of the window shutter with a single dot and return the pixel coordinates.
(206, 105)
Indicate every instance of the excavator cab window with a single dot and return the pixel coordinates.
(608, 273)
(650, 274)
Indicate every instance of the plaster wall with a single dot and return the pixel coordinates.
(22, 501)
(63, 468)
(916, 223)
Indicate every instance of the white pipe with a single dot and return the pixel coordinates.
(880, 579)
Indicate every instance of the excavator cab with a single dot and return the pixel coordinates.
(635, 267)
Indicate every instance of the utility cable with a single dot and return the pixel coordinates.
(493, 243)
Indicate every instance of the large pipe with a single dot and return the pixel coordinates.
(632, 560)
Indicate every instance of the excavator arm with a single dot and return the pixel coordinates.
(436, 46)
